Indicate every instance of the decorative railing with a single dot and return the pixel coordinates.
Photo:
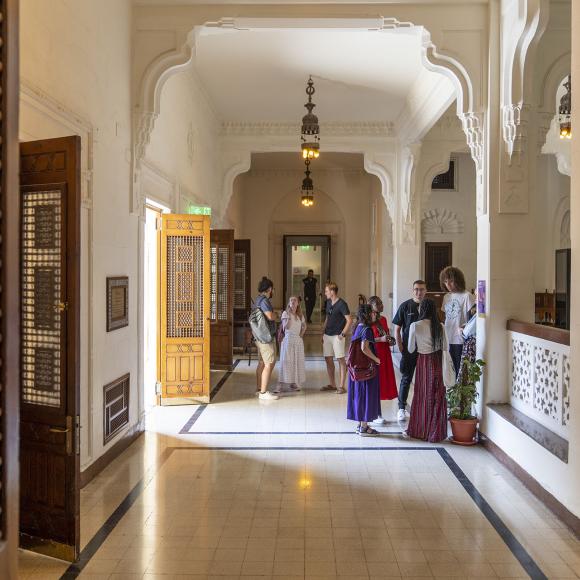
(540, 374)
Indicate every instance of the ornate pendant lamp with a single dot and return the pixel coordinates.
(310, 128)
(307, 199)
(565, 111)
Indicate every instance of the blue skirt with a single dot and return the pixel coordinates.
(363, 400)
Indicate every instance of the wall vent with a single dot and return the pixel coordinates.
(115, 407)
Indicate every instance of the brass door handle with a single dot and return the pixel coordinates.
(61, 306)
(58, 430)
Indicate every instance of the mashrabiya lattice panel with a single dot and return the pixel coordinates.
(213, 274)
(41, 293)
(185, 287)
(522, 371)
(240, 280)
(223, 264)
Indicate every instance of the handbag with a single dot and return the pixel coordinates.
(449, 376)
(360, 366)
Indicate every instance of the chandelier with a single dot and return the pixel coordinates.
(310, 133)
(565, 111)
(307, 187)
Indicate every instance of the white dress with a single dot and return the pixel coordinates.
(292, 352)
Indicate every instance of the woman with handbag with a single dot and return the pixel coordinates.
(291, 331)
(428, 420)
(363, 400)
(383, 343)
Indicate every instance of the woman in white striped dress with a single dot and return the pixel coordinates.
(292, 372)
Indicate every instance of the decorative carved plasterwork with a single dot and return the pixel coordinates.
(472, 124)
(441, 221)
(409, 161)
(333, 129)
(515, 127)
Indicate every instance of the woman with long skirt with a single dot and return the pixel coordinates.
(383, 343)
(428, 420)
(292, 372)
(363, 399)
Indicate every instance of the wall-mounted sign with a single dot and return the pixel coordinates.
(198, 210)
(481, 297)
(117, 302)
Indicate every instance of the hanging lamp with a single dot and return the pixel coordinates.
(565, 111)
(310, 133)
(307, 199)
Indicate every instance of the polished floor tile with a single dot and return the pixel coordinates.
(286, 489)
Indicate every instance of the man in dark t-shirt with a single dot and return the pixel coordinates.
(407, 313)
(336, 326)
(310, 283)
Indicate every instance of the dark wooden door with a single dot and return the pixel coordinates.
(50, 286)
(9, 290)
(438, 255)
(242, 290)
(221, 299)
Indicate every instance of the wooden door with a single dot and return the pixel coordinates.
(185, 306)
(9, 291)
(242, 290)
(438, 255)
(221, 299)
(50, 285)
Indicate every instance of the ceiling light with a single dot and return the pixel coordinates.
(310, 133)
(565, 111)
(307, 199)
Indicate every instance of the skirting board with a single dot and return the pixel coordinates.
(111, 454)
(561, 511)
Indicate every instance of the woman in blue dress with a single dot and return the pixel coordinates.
(364, 397)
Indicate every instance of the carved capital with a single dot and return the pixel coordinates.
(472, 124)
(144, 121)
(515, 127)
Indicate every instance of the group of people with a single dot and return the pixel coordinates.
(421, 339)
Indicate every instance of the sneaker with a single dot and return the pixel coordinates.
(379, 421)
(401, 415)
(268, 396)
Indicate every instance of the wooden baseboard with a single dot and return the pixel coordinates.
(561, 511)
(111, 454)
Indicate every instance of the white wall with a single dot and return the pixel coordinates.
(270, 208)
(77, 56)
(462, 203)
(185, 144)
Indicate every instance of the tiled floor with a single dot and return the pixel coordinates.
(285, 489)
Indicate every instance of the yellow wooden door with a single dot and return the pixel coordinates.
(184, 245)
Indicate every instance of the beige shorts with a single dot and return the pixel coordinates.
(267, 351)
(333, 346)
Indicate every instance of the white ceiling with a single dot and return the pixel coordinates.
(260, 75)
(293, 162)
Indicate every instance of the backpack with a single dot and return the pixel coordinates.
(360, 366)
(259, 326)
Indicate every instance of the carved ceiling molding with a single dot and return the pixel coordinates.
(441, 221)
(332, 129)
(293, 173)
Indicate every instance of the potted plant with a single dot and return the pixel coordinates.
(461, 398)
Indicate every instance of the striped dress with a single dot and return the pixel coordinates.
(428, 420)
(292, 369)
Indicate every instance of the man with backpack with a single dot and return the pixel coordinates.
(263, 324)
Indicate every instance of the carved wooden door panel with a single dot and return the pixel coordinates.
(49, 398)
(9, 290)
(242, 291)
(185, 307)
(221, 299)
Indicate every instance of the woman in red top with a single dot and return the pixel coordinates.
(383, 343)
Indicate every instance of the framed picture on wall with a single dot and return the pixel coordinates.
(117, 302)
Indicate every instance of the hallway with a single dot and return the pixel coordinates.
(241, 488)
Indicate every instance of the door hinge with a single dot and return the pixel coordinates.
(77, 435)
(157, 388)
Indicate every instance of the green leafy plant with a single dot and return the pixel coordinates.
(462, 396)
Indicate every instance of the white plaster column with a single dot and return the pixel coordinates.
(406, 232)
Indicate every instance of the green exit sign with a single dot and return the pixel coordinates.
(199, 210)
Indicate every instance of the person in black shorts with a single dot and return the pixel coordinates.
(407, 313)
(310, 284)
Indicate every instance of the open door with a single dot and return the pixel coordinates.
(222, 299)
(185, 308)
(50, 286)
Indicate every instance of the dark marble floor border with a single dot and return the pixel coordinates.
(516, 548)
(351, 432)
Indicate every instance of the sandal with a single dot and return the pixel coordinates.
(328, 388)
(294, 387)
(367, 431)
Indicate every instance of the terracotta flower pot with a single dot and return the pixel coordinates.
(464, 430)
